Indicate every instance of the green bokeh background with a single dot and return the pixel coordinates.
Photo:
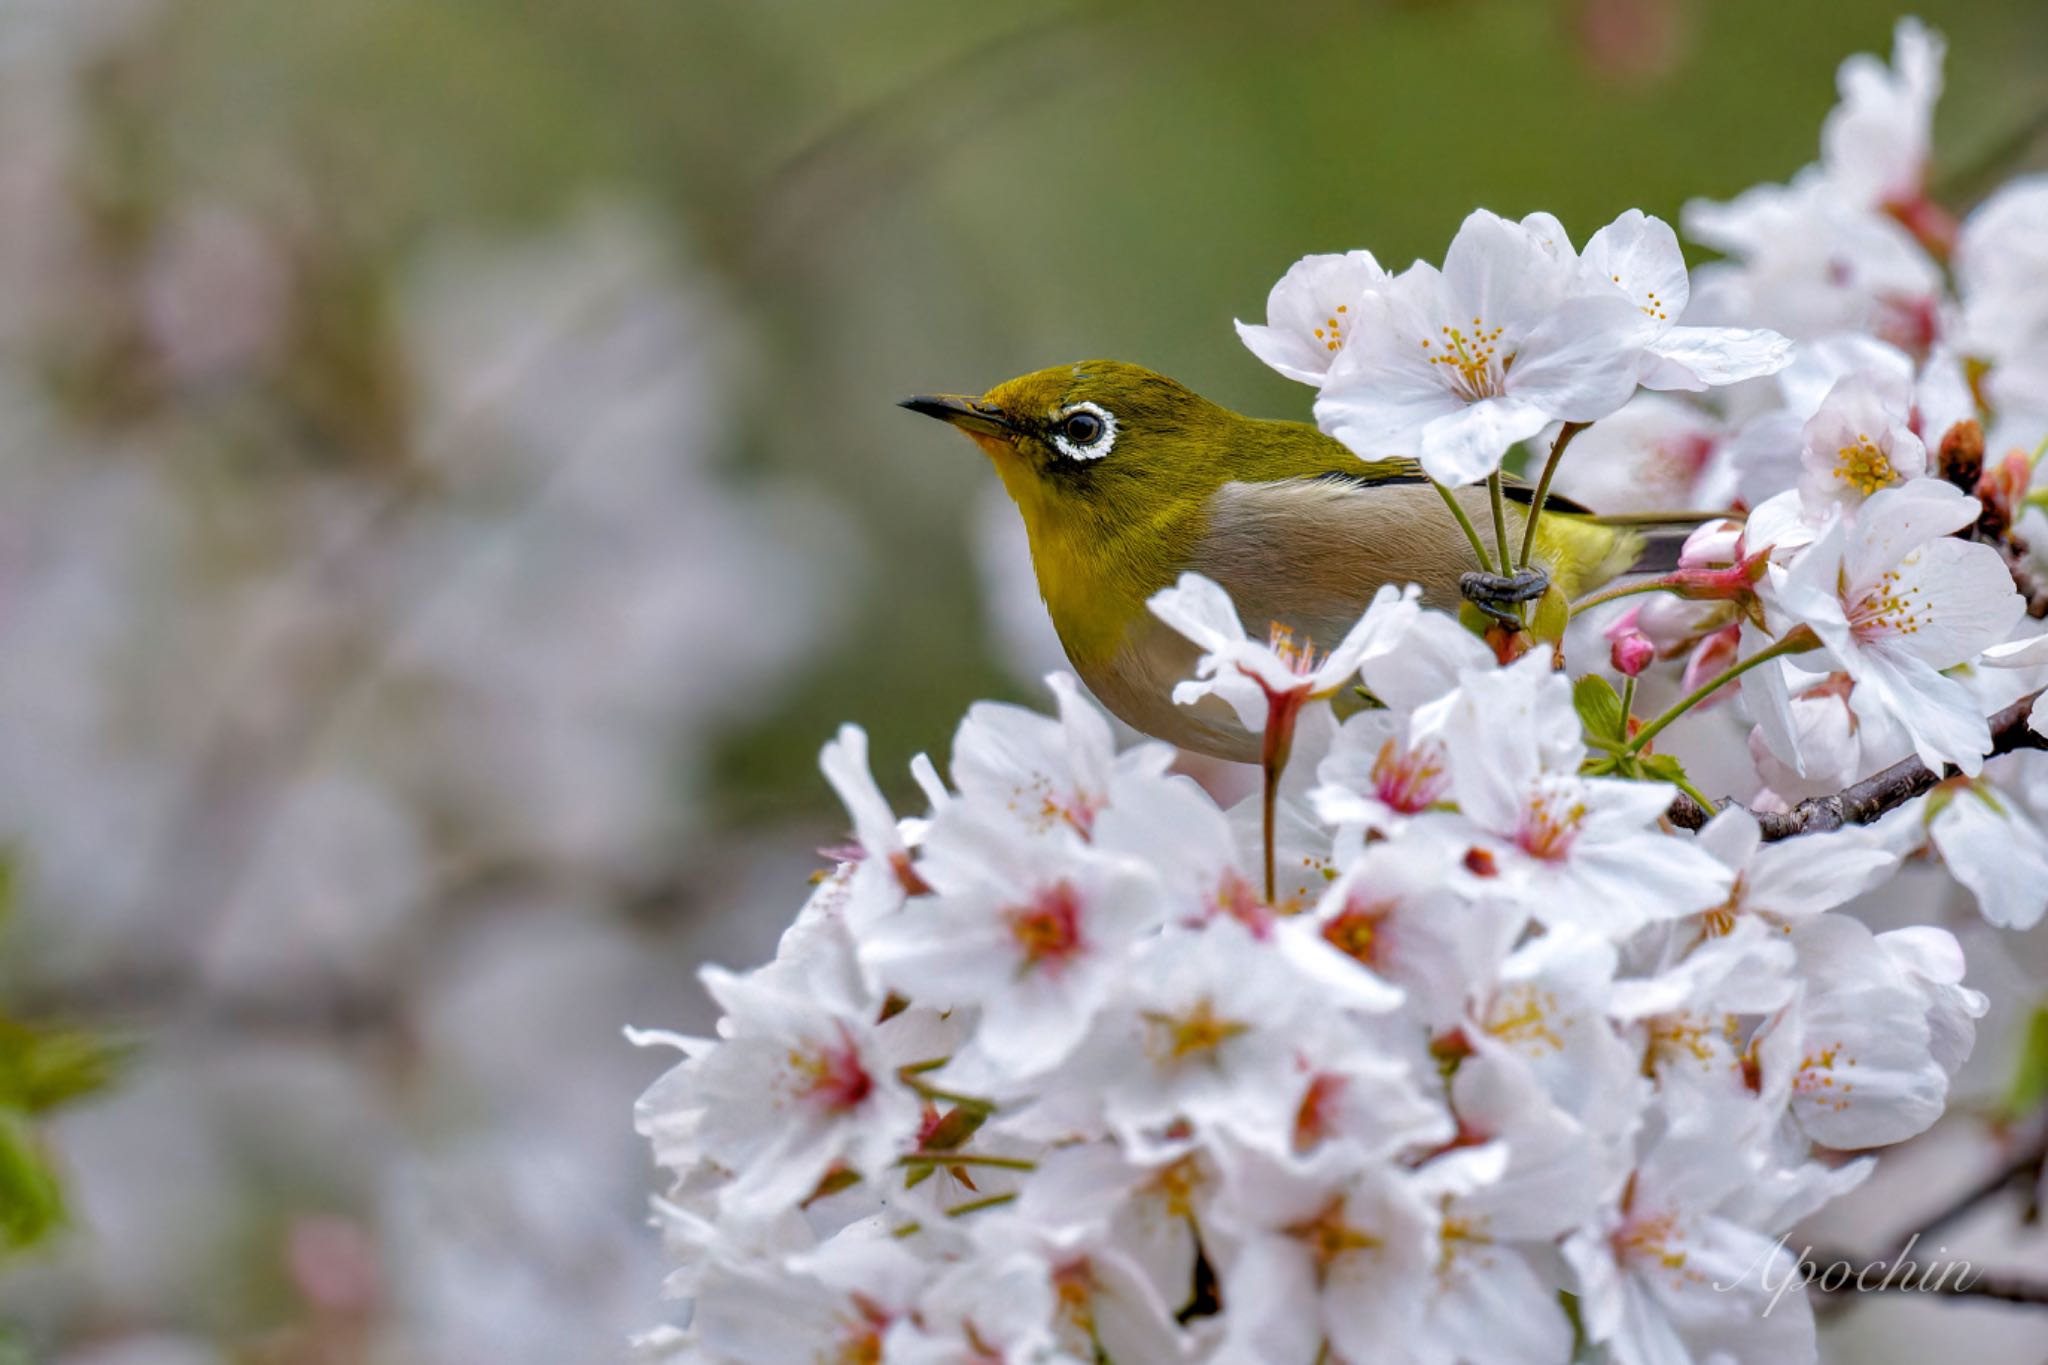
(902, 195)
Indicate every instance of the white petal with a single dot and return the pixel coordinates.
(1695, 358)
(1466, 445)
(1639, 255)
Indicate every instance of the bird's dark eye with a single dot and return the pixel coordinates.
(1082, 428)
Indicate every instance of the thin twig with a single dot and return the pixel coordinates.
(1564, 438)
(1963, 182)
(1498, 498)
(2003, 1286)
(2025, 1162)
(1866, 801)
(1465, 524)
(1794, 643)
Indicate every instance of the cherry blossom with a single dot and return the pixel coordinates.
(1511, 1052)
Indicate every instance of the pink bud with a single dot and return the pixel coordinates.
(1623, 624)
(1714, 654)
(1713, 544)
(1674, 623)
(1632, 653)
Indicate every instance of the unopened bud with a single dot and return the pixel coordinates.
(1960, 458)
(2002, 487)
(1632, 653)
(1712, 545)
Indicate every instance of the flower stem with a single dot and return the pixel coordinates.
(1465, 524)
(1617, 592)
(1281, 710)
(1500, 520)
(977, 1205)
(1001, 1163)
(1564, 438)
(1797, 641)
(933, 1093)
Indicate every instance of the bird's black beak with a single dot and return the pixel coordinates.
(969, 414)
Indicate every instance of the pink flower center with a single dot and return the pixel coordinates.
(1409, 780)
(1048, 930)
(1299, 659)
(1316, 1119)
(1654, 1240)
(1356, 930)
(1550, 825)
(1884, 610)
(1329, 1237)
(1471, 363)
(1241, 901)
(832, 1076)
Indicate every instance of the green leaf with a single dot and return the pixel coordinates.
(1665, 768)
(1552, 615)
(31, 1204)
(1599, 707)
(43, 1068)
(2029, 1088)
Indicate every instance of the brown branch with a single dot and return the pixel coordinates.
(2027, 1151)
(1871, 798)
(2032, 585)
(2022, 1168)
(2002, 1286)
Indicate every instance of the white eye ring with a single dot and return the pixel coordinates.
(1096, 448)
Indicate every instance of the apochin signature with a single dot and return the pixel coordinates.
(1895, 1275)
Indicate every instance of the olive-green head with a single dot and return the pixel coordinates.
(1114, 467)
(1099, 446)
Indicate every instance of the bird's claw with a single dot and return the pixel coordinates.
(1498, 595)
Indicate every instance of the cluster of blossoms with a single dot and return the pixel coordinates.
(1449, 1045)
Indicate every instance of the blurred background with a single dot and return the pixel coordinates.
(450, 486)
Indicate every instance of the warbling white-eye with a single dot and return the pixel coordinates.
(1127, 478)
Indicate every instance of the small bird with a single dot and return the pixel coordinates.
(1126, 479)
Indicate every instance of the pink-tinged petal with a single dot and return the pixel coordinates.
(1863, 1074)
(1579, 364)
(1377, 634)
(1640, 256)
(1955, 599)
(1769, 698)
(1312, 312)
(1992, 847)
(1383, 389)
(1939, 713)
(1895, 520)
(1434, 651)
(1465, 446)
(1696, 358)
(1858, 442)
(1546, 229)
(1502, 273)
(1818, 872)
(1874, 144)
(2030, 653)
(1201, 610)
(845, 764)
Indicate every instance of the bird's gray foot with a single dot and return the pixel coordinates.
(1498, 595)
